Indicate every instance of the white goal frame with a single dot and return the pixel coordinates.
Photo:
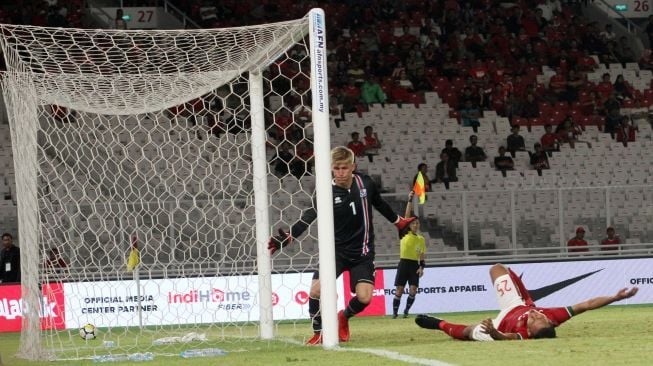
(24, 97)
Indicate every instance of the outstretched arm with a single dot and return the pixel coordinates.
(409, 205)
(602, 301)
(286, 237)
(308, 216)
(382, 206)
(378, 202)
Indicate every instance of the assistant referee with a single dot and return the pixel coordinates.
(411, 262)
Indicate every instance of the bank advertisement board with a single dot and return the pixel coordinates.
(52, 312)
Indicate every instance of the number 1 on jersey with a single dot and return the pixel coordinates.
(353, 208)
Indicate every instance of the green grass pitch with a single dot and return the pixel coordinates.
(617, 335)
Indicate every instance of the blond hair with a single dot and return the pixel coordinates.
(342, 154)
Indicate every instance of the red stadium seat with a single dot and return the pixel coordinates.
(590, 121)
(360, 109)
(629, 103)
(442, 85)
(552, 121)
(415, 19)
(534, 70)
(458, 84)
(416, 99)
(463, 67)
(451, 99)
(558, 116)
(536, 121)
(455, 114)
(562, 106)
(521, 122)
(431, 72)
(545, 109)
(647, 101)
(386, 36)
(576, 115)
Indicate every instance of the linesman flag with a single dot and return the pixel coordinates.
(134, 256)
(420, 188)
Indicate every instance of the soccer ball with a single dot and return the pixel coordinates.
(87, 332)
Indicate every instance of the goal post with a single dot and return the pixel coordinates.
(260, 172)
(320, 89)
(189, 145)
(22, 106)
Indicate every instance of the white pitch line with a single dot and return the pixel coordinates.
(380, 353)
(395, 356)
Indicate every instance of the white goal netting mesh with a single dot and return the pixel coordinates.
(142, 140)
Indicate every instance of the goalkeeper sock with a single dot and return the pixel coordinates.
(395, 305)
(314, 313)
(354, 307)
(453, 330)
(409, 303)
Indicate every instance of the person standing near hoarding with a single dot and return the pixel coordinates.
(9, 260)
(120, 22)
(578, 244)
(411, 262)
(611, 242)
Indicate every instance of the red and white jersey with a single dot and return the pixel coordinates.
(578, 245)
(610, 244)
(370, 141)
(515, 321)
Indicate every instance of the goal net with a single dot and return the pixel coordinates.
(151, 167)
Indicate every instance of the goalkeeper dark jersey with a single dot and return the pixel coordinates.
(352, 218)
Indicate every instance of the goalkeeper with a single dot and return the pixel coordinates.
(354, 195)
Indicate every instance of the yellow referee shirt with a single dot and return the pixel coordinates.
(412, 246)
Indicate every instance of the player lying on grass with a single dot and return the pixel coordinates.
(519, 318)
(354, 195)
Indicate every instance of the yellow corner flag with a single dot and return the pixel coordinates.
(420, 188)
(134, 256)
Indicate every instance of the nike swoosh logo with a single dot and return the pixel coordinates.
(545, 291)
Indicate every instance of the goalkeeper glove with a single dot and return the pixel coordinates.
(403, 222)
(279, 241)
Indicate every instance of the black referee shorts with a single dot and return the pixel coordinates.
(407, 272)
(359, 271)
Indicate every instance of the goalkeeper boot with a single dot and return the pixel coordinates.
(428, 322)
(343, 327)
(315, 340)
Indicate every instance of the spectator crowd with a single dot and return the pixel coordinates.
(478, 56)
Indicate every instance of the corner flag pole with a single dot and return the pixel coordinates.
(133, 264)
